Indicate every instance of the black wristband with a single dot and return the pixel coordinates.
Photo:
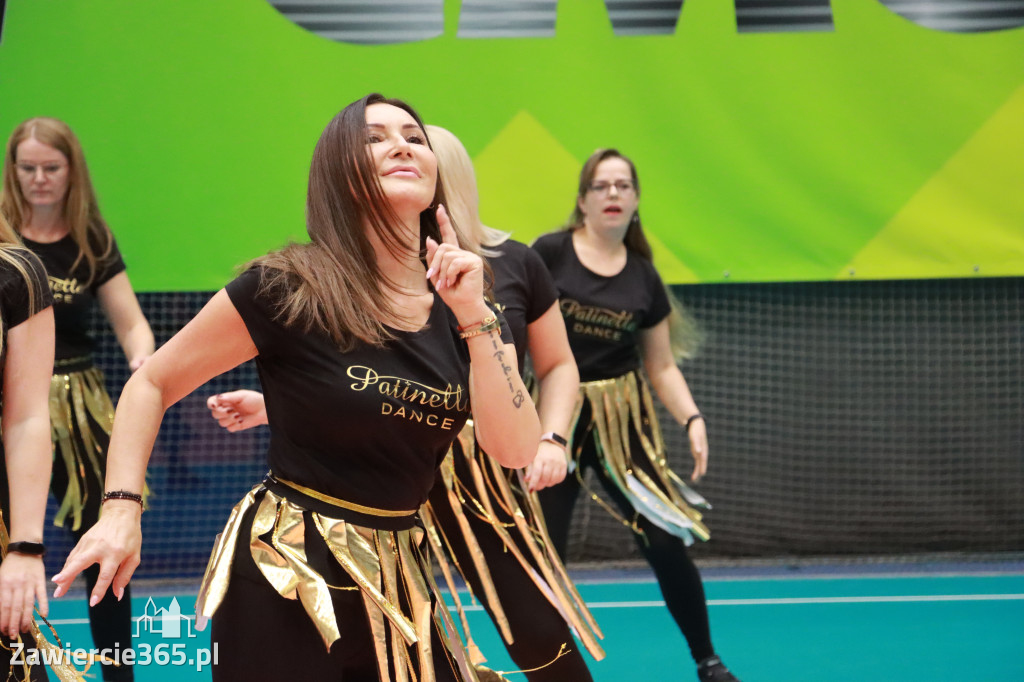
(691, 418)
(122, 495)
(27, 548)
(553, 437)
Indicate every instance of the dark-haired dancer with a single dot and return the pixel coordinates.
(617, 313)
(366, 369)
(49, 200)
(479, 511)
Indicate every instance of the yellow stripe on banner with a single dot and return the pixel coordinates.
(966, 220)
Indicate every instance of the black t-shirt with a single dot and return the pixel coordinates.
(603, 315)
(523, 289)
(14, 310)
(72, 300)
(15, 293)
(369, 426)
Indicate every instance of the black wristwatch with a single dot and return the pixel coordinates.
(27, 548)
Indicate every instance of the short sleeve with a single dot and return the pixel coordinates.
(110, 266)
(257, 311)
(548, 247)
(543, 292)
(24, 290)
(660, 307)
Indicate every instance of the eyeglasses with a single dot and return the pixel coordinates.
(49, 169)
(621, 186)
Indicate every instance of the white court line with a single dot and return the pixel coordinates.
(732, 602)
(820, 600)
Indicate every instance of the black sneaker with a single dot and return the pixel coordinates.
(711, 669)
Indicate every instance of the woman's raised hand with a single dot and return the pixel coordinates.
(457, 274)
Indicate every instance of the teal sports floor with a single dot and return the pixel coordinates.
(777, 625)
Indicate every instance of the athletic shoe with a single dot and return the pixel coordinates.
(711, 669)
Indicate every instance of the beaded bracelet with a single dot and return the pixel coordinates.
(122, 495)
(488, 324)
(692, 418)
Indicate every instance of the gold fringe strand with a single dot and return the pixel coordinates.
(519, 526)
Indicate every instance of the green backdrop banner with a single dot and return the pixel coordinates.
(775, 140)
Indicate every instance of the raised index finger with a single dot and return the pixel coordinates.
(448, 235)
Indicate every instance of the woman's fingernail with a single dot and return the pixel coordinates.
(120, 594)
(430, 273)
(94, 600)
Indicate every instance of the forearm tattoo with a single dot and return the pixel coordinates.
(499, 352)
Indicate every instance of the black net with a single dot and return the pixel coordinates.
(870, 418)
(859, 419)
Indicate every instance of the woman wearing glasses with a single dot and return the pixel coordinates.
(618, 314)
(49, 200)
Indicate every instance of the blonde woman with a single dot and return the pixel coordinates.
(370, 352)
(49, 199)
(618, 315)
(479, 512)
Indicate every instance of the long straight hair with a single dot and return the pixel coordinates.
(456, 168)
(81, 210)
(334, 283)
(685, 335)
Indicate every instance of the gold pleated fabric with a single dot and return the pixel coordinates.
(387, 566)
(496, 495)
(617, 405)
(75, 397)
(65, 670)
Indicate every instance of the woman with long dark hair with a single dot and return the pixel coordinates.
(480, 513)
(371, 350)
(49, 200)
(618, 315)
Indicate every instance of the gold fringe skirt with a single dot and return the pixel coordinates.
(60, 664)
(78, 405)
(387, 566)
(497, 496)
(617, 407)
(81, 419)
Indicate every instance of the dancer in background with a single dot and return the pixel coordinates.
(618, 314)
(49, 200)
(479, 511)
(365, 354)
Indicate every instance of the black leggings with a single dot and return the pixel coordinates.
(678, 577)
(537, 628)
(262, 637)
(110, 621)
